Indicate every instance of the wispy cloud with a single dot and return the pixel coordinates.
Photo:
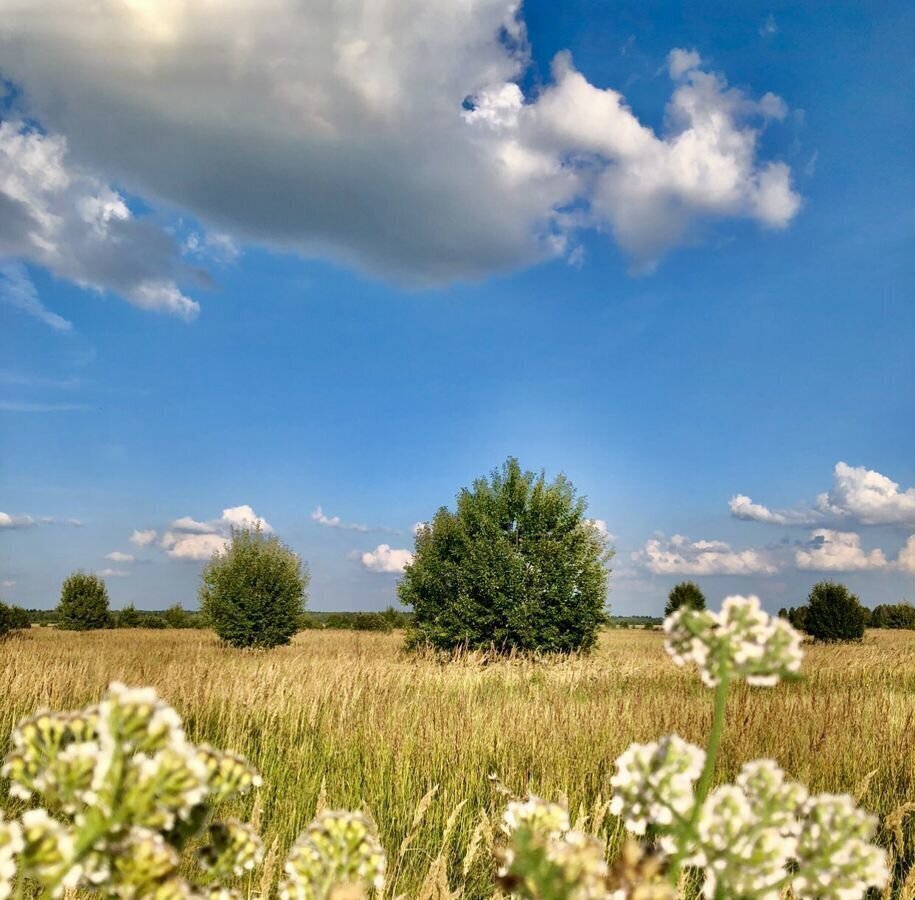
(15, 406)
(8, 520)
(18, 291)
(321, 518)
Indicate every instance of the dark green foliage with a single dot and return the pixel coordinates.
(152, 620)
(516, 566)
(128, 617)
(359, 621)
(83, 603)
(253, 594)
(6, 620)
(176, 617)
(834, 614)
(797, 616)
(686, 593)
(19, 619)
(893, 615)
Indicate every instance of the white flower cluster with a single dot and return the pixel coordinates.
(122, 792)
(550, 819)
(339, 850)
(653, 783)
(741, 641)
(747, 833)
(11, 844)
(834, 853)
(749, 836)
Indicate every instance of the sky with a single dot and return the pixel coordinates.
(321, 265)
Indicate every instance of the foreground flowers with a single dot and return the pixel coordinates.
(120, 798)
(123, 795)
(756, 838)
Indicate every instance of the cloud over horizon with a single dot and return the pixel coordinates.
(858, 494)
(189, 539)
(681, 556)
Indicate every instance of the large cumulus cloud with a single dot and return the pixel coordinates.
(391, 135)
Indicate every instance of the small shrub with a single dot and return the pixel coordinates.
(253, 593)
(686, 593)
(516, 566)
(128, 617)
(176, 617)
(833, 613)
(151, 620)
(17, 618)
(83, 603)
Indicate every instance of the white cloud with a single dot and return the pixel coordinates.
(113, 573)
(868, 497)
(143, 538)
(742, 507)
(857, 494)
(9, 521)
(905, 561)
(17, 290)
(119, 557)
(386, 559)
(681, 556)
(679, 62)
(192, 539)
(315, 126)
(181, 545)
(600, 526)
(837, 551)
(56, 215)
(21, 521)
(8, 583)
(321, 518)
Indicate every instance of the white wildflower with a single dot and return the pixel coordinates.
(836, 860)
(742, 641)
(11, 844)
(653, 783)
(550, 819)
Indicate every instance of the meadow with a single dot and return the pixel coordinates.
(350, 720)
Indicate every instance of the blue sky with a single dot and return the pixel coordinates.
(361, 260)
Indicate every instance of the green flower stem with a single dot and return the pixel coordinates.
(688, 833)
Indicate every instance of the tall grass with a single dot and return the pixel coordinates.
(347, 719)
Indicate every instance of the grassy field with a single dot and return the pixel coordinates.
(349, 719)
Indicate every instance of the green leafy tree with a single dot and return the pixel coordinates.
(176, 617)
(128, 617)
(833, 613)
(83, 603)
(253, 593)
(6, 620)
(515, 566)
(686, 593)
(893, 615)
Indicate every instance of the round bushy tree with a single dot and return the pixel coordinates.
(253, 593)
(83, 603)
(833, 613)
(516, 566)
(128, 617)
(686, 593)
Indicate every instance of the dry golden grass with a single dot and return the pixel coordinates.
(350, 720)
